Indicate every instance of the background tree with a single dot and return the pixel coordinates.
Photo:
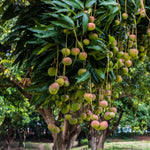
(14, 116)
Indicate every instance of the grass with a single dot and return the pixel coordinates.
(130, 145)
(47, 146)
(82, 147)
(117, 145)
(30, 145)
(123, 145)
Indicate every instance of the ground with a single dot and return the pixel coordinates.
(136, 143)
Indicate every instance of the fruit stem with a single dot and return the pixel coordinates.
(110, 98)
(145, 11)
(125, 6)
(90, 85)
(135, 29)
(77, 39)
(114, 89)
(125, 41)
(57, 61)
(95, 8)
(64, 70)
(66, 40)
(107, 67)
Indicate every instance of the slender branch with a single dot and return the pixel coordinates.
(125, 95)
(28, 96)
(116, 125)
(41, 112)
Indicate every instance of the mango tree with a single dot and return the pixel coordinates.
(130, 97)
(72, 51)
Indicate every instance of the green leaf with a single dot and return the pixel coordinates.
(133, 2)
(62, 10)
(37, 30)
(85, 22)
(98, 29)
(36, 41)
(100, 73)
(47, 34)
(72, 3)
(45, 48)
(89, 3)
(83, 77)
(96, 47)
(95, 77)
(115, 10)
(107, 3)
(137, 5)
(111, 39)
(78, 15)
(80, 3)
(99, 56)
(67, 19)
(112, 75)
(61, 24)
(58, 3)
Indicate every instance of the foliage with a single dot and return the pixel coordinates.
(45, 31)
(14, 109)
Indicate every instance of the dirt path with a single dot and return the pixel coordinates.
(142, 138)
(41, 147)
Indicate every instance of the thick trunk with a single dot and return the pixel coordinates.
(64, 144)
(65, 139)
(9, 138)
(102, 139)
(89, 139)
(9, 147)
(20, 140)
(94, 135)
(94, 145)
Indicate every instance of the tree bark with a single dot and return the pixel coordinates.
(10, 137)
(102, 139)
(94, 135)
(107, 132)
(9, 147)
(20, 139)
(116, 125)
(61, 144)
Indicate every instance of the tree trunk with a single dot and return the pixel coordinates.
(9, 147)
(64, 144)
(102, 139)
(94, 135)
(20, 139)
(65, 139)
(89, 139)
(10, 137)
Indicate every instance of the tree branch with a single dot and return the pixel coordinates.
(11, 77)
(76, 130)
(20, 86)
(125, 95)
(65, 131)
(48, 117)
(116, 125)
